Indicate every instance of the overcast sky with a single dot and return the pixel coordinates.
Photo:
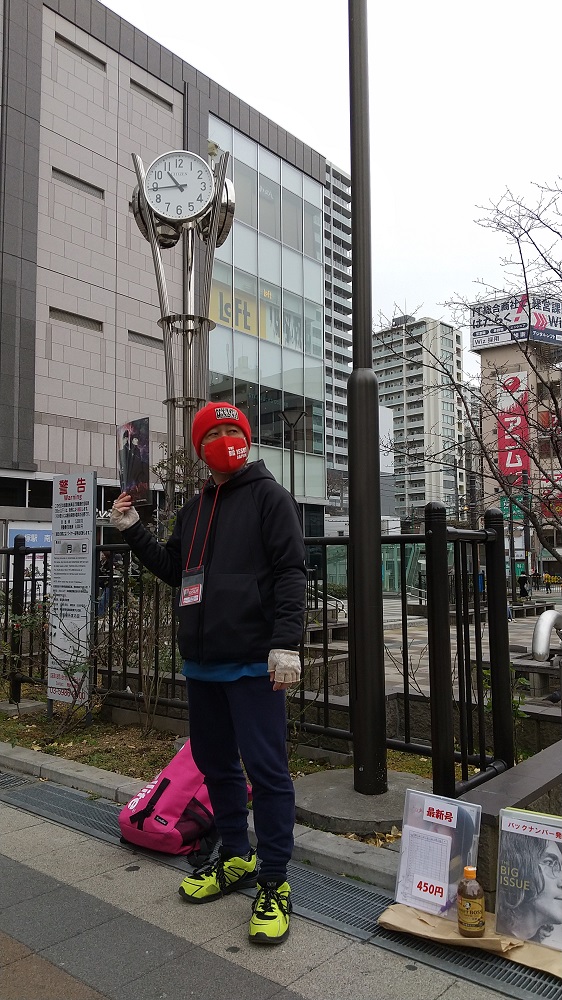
(463, 102)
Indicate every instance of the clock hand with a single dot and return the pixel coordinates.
(177, 183)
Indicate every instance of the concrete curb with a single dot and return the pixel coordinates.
(353, 859)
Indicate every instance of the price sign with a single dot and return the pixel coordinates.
(428, 889)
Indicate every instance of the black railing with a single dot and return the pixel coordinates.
(443, 701)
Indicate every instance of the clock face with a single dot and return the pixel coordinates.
(179, 185)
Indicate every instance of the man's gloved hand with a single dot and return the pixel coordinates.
(123, 515)
(284, 666)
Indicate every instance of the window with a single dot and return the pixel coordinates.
(313, 329)
(312, 231)
(270, 312)
(314, 426)
(292, 321)
(292, 220)
(246, 187)
(12, 492)
(245, 312)
(246, 398)
(270, 207)
(271, 426)
(221, 388)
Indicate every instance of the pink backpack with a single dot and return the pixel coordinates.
(173, 813)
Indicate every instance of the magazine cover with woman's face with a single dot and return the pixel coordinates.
(529, 890)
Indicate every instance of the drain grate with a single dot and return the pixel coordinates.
(13, 780)
(331, 900)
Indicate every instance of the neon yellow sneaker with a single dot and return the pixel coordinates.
(269, 923)
(218, 878)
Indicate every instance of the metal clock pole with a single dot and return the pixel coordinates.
(163, 227)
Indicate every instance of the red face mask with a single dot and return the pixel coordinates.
(226, 454)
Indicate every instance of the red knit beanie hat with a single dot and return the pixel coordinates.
(214, 414)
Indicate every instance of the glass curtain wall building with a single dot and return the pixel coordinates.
(81, 348)
(267, 350)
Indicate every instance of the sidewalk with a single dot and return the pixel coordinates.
(81, 919)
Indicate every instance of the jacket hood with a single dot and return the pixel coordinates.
(249, 474)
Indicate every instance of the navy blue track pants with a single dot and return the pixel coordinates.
(247, 719)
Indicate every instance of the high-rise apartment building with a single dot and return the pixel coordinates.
(414, 360)
(80, 347)
(337, 317)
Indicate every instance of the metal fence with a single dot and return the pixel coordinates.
(460, 713)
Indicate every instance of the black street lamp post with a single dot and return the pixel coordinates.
(366, 647)
(291, 418)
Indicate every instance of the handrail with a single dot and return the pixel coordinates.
(546, 623)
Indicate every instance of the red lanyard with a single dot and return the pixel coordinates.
(208, 528)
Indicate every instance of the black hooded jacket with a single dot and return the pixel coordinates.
(254, 569)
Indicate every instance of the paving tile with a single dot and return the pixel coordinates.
(75, 863)
(10, 950)
(33, 978)
(197, 974)
(12, 820)
(197, 924)
(18, 882)
(54, 916)
(43, 837)
(308, 945)
(363, 972)
(111, 955)
(137, 882)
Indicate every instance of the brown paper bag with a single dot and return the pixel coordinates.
(405, 919)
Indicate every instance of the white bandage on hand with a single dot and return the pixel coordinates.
(285, 665)
(123, 519)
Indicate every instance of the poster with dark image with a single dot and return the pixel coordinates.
(529, 888)
(133, 459)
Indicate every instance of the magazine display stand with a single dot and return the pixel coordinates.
(439, 837)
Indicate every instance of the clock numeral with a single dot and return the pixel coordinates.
(199, 175)
(190, 206)
(179, 161)
(199, 197)
(158, 199)
(158, 175)
(154, 186)
(179, 210)
(203, 186)
(167, 206)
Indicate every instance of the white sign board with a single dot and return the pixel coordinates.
(516, 317)
(72, 585)
(439, 837)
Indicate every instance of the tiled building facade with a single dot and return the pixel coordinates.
(80, 349)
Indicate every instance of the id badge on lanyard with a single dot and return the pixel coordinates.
(191, 586)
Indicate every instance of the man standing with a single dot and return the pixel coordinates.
(237, 554)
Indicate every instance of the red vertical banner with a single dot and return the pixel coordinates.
(513, 425)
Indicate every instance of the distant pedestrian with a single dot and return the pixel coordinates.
(522, 581)
(547, 584)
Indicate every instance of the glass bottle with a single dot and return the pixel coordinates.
(471, 912)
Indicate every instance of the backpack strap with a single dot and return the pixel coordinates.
(138, 818)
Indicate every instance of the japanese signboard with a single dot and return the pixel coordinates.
(517, 514)
(38, 535)
(439, 837)
(72, 578)
(513, 426)
(516, 317)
